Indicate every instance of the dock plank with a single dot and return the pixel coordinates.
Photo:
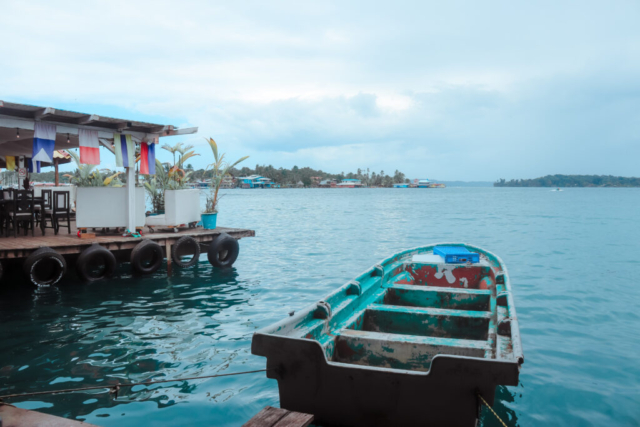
(10, 416)
(295, 419)
(267, 417)
(278, 417)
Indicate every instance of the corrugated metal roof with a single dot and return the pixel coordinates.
(17, 123)
(50, 114)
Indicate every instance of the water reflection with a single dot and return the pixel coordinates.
(503, 397)
(127, 330)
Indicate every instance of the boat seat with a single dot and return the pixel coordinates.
(426, 321)
(398, 351)
(431, 311)
(429, 296)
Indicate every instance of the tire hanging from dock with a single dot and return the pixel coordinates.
(94, 259)
(45, 267)
(185, 246)
(223, 251)
(146, 257)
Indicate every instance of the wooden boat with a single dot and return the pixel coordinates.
(411, 341)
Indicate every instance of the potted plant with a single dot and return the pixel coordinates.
(219, 169)
(169, 191)
(155, 186)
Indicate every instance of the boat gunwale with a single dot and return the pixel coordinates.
(346, 366)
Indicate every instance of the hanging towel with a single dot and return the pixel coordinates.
(31, 168)
(144, 158)
(89, 147)
(44, 140)
(125, 150)
(147, 158)
(11, 162)
(152, 158)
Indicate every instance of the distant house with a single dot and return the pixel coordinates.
(350, 183)
(300, 184)
(228, 182)
(423, 183)
(254, 181)
(315, 181)
(328, 183)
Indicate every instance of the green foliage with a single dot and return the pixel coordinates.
(571, 181)
(90, 176)
(156, 185)
(290, 177)
(169, 176)
(178, 177)
(43, 177)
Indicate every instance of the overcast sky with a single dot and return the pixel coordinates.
(447, 90)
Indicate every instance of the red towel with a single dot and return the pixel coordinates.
(144, 158)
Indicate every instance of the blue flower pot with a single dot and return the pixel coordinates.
(209, 220)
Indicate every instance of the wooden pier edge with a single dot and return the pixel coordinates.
(11, 416)
(278, 417)
(68, 244)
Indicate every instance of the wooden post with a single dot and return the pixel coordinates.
(21, 164)
(169, 261)
(55, 165)
(131, 199)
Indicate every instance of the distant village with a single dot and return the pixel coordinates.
(258, 181)
(271, 177)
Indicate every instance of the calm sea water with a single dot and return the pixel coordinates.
(573, 258)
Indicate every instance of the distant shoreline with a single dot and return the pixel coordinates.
(564, 181)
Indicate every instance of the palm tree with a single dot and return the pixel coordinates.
(172, 149)
(182, 149)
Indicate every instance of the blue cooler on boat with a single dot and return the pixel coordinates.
(456, 254)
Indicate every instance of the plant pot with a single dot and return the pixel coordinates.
(209, 220)
(182, 206)
(107, 207)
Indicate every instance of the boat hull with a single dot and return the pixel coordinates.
(344, 395)
(335, 365)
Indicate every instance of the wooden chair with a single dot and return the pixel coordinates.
(41, 216)
(4, 209)
(46, 196)
(7, 193)
(22, 211)
(61, 210)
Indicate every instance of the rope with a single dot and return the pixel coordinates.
(114, 388)
(492, 411)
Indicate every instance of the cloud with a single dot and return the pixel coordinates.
(457, 90)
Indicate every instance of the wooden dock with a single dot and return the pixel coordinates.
(277, 417)
(66, 244)
(10, 416)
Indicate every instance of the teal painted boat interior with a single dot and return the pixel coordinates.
(572, 260)
(412, 307)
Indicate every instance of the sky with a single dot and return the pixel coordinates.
(459, 90)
